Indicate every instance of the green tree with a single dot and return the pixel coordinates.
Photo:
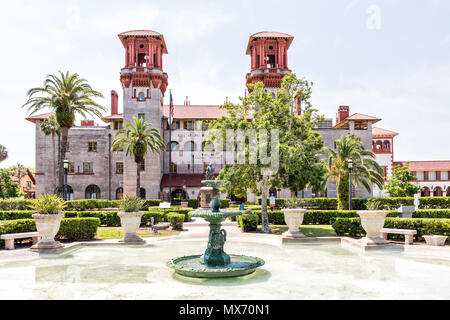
(365, 172)
(50, 127)
(295, 145)
(3, 153)
(138, 139)
(67, 95)
(8, 187)
(399, 184)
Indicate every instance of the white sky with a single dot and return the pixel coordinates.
(389, 59)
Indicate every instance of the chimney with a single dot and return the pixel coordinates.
(343, 113)
(114, 103)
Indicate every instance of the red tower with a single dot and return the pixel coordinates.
(143, 59)
(268, 52)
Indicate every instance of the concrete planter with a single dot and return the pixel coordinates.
(131, 221)
(435, 240)
(373, 222)
(294, 219)
(47, 226)
(406, 211)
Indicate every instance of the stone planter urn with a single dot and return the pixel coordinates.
(47, 226)
(373, 221)
(294, 219)
(131, 221)
(435, 240)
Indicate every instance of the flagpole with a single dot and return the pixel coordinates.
(170, 147)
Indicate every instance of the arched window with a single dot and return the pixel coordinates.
(425, 192)
(207, 146)
(437, 192)
(189, 146)
(448, 192)
(69, 192)
(119, 193)
(143, 193)
(387, 145)
(273, 192)
(92, 192)
(379, 145)
(173, 146)
(179, 194)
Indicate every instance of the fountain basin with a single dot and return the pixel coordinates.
(194, 266)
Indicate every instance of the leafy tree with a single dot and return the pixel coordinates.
(297, 162)
(8, 187)
(3, 153)
(399, 184)
(67, 95)
(138, 139)
(365, 172)
(50, 127)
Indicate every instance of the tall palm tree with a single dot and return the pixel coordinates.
(365, 171)
(67, 95)
(3, 153)
(50, 127)
(138, 139)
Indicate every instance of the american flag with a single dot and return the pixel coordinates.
(171, 109)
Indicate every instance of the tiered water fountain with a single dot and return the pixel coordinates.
(214, 263)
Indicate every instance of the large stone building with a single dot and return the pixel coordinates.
(97, 172)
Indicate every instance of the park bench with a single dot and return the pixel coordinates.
(9, 238)
(409, 234)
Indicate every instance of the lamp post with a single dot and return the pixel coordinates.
(350, 166)
(66, 168)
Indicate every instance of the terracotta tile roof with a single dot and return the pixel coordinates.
(382, 133)
(357, 117)
(113, 117)
(196, 112)
(180, 180)
(437, 165)
(40, 117)
(142, 33)
(269, 34)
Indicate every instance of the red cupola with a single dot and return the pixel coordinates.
(143, 59)
(268, 52)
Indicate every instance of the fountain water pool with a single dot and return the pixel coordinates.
(292, 271)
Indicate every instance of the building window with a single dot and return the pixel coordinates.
(71, 168)
(141, 96)
(148, 93)
(141, 116)
(28, 184)
(189, 167)
(188, 125)
(88, 167)
(189, 146)
(67, 147)
(117, 125)
(173, 168)
(205, 125)
(119, 167)
(92, 192)
(134, 93)
(92, 147)
(119, 193)
(142, 165)
(142, 193)
(173, 146)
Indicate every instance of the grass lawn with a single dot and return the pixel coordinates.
(118, 233)
(308, 230)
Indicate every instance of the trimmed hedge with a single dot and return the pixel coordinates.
(176, 220)
(157, 216)
(73, 229)
(248, 222)
(78, 229)
(352, 226)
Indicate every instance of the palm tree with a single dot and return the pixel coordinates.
(138, 139)
(365, 171)
(50, 127)
(3, 153)
(67, 95)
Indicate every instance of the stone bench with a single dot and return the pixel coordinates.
(409, 234)
(9, 238)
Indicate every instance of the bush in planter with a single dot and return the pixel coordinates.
(49, 204)
(131, 204)
(176, 220)
(78, 229)
(248, 222)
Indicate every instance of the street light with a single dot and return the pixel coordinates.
(350, 166)
(66, 168)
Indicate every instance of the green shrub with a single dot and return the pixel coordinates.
(78, 229)
(193, 203)
(49, 204)
(107, 218)
(158, 216)
(16, 204)
(73, 229)
(352, 226)
(131, 204)
(248, 222)
(224, 203)
(176, 220)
